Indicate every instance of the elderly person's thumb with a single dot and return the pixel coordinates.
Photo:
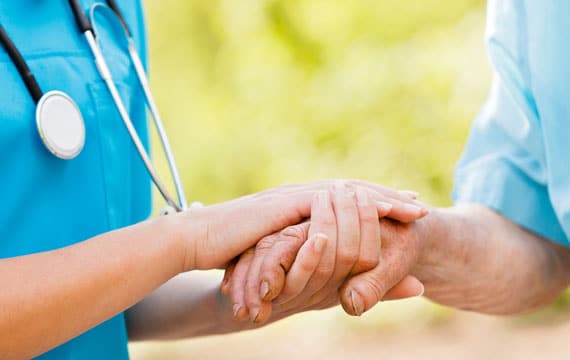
(363, 291)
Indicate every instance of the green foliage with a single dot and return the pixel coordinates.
(260, 93)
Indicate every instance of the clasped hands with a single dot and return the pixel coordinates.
(354, 250)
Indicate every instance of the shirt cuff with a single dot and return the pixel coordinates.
(496, 184)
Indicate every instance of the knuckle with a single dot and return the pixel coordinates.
(297, 232)
(327, 221)
(347, 258)
(347, 204)
(276, 284)
(369, 216)
(374, 288)
(322, 273)
(306, 265)
(272, 269)
(272, 273)
(283, 255)
(266, 243)
(250, 289)
(316, 299)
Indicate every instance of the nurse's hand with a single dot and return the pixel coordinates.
(300, 275)
(212, 236)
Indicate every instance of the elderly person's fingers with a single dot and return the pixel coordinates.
(237, 290)
(366, 291)
(255, 289)
(278, 261)
(304, 266)
(255, 306)
(228, 274)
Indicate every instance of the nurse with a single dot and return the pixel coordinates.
(78, 250)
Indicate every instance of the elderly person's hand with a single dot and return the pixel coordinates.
(468, 257)
(344, 241)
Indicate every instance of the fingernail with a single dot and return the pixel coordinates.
(409, 193)
(422, 291)
(254, 314)
(224, 289)
(414, 208)
(357, 304)
(319, 242)
(236, 308)
(264, 289)
(384, 206)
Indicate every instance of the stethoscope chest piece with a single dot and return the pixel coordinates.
(60, 125)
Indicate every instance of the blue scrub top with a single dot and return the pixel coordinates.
(48, 203)
(516, 160)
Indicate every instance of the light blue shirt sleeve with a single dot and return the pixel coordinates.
(505, 163)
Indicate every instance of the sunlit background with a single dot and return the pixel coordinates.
(258, 93)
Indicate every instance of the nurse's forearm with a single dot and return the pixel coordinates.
(49, 298)
(475, 259)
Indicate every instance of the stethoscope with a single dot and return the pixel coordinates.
(59, 119)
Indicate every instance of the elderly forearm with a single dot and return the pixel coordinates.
(187, 306)
(475, 259)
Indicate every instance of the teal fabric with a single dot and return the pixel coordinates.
(48, 203)
(516, 160)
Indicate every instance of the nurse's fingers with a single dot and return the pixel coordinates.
(405, 212)
(370, 240)
(347, 244)
(323, 221)
(405, 207)
(237, 291)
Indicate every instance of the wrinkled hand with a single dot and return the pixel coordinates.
(389, 280)
(291, 274)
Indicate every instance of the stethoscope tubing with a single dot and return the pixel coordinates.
(87, 29)
(86, 26)
(21, 65)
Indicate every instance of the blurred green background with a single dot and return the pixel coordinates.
(257, 93)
